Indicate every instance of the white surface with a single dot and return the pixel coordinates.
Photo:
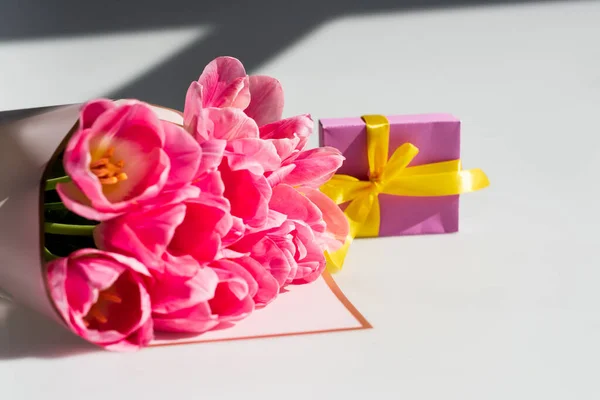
(506, 309)
(75, 69)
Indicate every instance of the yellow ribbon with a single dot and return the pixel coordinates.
(393, 177)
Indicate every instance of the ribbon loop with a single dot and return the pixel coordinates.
(392, 177)
(399, 161)
(343, 188)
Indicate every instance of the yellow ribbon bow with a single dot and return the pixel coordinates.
(393, 177)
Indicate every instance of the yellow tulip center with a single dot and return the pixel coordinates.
(107, 170)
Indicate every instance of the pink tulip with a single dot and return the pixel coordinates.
(292, 250)
(144, 234)
(225, 297)
(299, 167)
(248, 194)
(174, 237)
(301, 234)
(201, 234)
(102, 297)
(310, 168)
(224, 84)
(240, 175)
(336, 223)
(289, 135)
(266, 100)
(123, 156)
(214, 114)
(194, 289)
(258, 274)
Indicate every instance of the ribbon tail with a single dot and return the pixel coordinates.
(370, 227)
(362, 212)
(335, 260)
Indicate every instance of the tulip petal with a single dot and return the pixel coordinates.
(140, 126)
(230, 302)
(172, 292)
(268, 287)
(235, 233)
(212, 155)
(184, 154)
(236, 268)
(143, 234)
(272, 257)
(137, 340)
(75, 201)
(211, 183)
(312, 263)
(337, 226)
(314, 167)
(195, 319)
(184, 266)
(173, 196)
(255, 155)
(92, 110)
(266, 99)
(292, 203)
(228, 124)
(207, 220)
(288, 135)
(225, 84)
(208, 178)
(193, 108)
(279, 176)
(248, 194)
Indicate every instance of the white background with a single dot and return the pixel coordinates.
(509, 308)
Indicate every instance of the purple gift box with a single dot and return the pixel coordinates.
(437, 136)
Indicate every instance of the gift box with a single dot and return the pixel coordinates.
(437, 138)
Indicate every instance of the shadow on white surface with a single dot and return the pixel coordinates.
(27, 334)
(254, 32)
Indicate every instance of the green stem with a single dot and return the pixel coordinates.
(55, 206)
(65, 229)
(51, 183)
(48, 256)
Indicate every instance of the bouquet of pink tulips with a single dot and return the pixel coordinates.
(154, 226)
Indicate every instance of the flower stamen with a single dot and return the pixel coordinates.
(98, 311)
(111, 297)
(107, 171)
(98, 316)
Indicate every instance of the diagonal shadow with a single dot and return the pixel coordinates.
(253, 31)
(24, 333)
(30, 19)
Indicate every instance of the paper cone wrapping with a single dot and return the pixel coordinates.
(28, 139)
